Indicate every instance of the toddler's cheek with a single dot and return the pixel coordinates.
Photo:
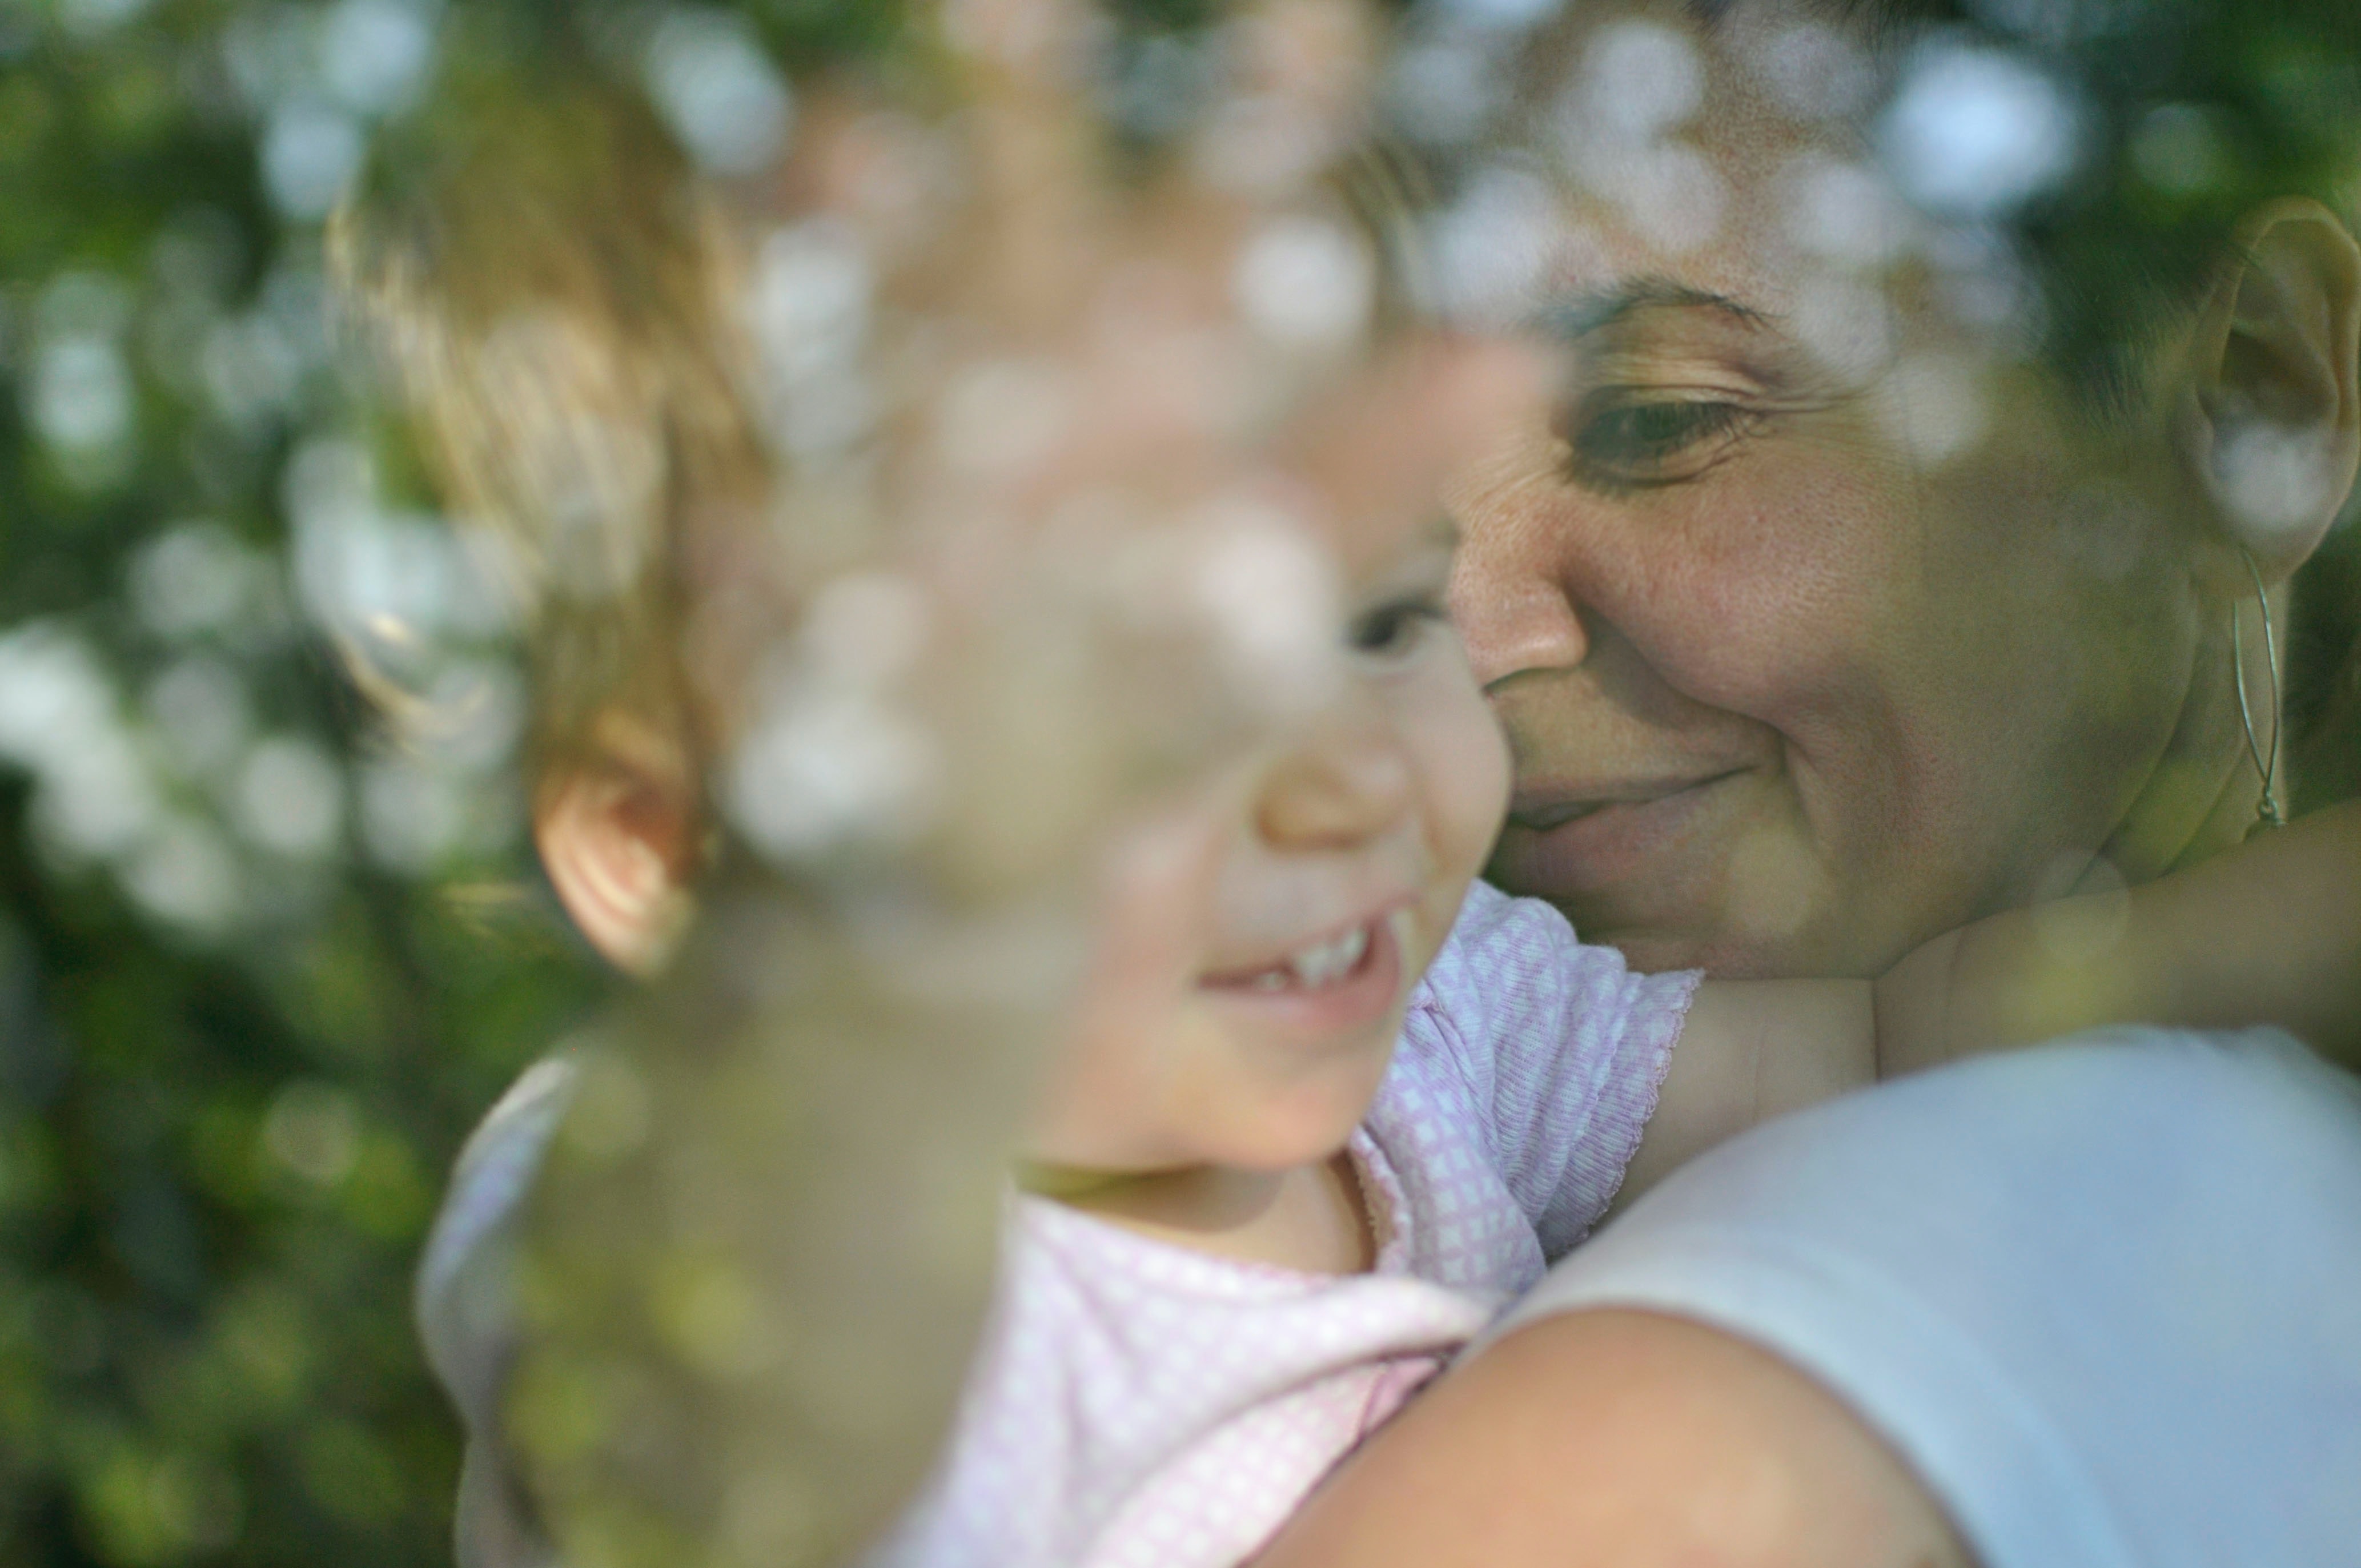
(1470, 778)
(1090, 1108)
(1265, 1126)
(1125, 1033)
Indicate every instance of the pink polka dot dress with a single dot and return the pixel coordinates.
(1140, 1404)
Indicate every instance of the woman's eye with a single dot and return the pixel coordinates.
(1394, 629)
(1624, 443)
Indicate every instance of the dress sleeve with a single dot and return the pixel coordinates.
(466, 1312)
(1561, 1047)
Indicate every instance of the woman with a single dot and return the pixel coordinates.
(1814, 638)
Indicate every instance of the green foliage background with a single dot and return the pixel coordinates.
(261, 965)
(235, 1058)
(264, 956)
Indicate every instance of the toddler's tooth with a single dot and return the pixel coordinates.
(1325, 962)
(1271, 979)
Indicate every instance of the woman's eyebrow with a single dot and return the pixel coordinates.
(1590, 311)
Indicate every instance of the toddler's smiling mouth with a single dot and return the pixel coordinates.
(1313, 967)
(1337, 980)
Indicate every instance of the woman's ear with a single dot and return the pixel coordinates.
(618, 825)
(2272, 424)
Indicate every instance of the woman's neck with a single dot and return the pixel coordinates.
(1312, 1217)
(2201, 793)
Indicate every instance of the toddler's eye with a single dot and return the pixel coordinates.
(1395, 627)
(1620, 442)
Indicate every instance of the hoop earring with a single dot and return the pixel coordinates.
(2267, 764)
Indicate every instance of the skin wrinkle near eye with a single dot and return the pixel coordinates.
(1651, 431)
(1747, 389)
(1760, 359)
(1727, 427)
(1595, 311)
(1609, 461)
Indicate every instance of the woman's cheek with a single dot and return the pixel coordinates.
(1764, 604)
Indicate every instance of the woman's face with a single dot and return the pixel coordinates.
(1813, 631)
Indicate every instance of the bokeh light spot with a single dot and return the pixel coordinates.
(291, 797)
(309, 152)
(724, 99)
(374, 53)
(2177, 149)
(314, 1130)
(1976, 131)
(1306, 282)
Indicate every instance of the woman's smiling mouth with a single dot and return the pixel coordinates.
(1598, 835)
(1542, 810)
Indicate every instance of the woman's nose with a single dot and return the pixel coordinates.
(1348, 785)
(1512, 615)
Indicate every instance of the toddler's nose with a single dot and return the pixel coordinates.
(1348, 783)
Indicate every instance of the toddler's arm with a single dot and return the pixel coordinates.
(2267, 933)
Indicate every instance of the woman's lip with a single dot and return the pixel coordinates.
(1545, 810)
(1588, 843)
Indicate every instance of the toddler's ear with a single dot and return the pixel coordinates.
(618, 825)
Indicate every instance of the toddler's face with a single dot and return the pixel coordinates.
(1259, 936)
